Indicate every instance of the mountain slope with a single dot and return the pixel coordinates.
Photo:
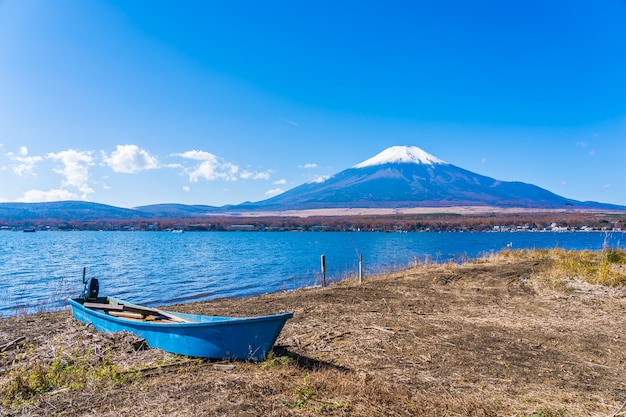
(403, 176)
(175, 211)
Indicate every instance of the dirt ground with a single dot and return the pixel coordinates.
(492, 337)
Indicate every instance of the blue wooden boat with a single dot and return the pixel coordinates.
(240, 338)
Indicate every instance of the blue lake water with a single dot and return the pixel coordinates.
(39, 271)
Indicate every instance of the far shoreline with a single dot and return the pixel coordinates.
(414, 219)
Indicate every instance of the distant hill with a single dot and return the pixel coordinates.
(398, 177)
(176, 211)
(92, 212)
(65, 211)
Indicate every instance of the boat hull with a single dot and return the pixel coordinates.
(239, 338)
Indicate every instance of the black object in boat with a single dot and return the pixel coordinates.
(92, 287)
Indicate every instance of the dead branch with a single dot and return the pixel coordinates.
(12, 343)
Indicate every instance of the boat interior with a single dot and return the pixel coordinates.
(131, 312)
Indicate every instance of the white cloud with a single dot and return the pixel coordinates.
(280, 182)
(274, 192)
(198, 155)
(25, 164)
(606, 186)
(75, 169)
(247, 175)
(213, 168)
(319, 179)
(38, 196)
(186, 189)
(212, 171)
(308, 166)
(128, 159)
(484, 160)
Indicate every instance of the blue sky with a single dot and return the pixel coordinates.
(218, 102)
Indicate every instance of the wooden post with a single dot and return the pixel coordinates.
(324, 270)
(360, 268)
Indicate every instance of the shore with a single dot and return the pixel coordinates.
(501, 336)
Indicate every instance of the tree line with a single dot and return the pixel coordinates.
(385, 223)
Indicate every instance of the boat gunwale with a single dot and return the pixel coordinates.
(221, 320)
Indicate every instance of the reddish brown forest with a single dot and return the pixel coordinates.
(384, 223)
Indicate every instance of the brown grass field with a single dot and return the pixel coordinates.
(463, 210)
(520, 333)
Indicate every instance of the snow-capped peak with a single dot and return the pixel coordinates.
(401, 154)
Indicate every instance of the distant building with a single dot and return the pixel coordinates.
(241, 227)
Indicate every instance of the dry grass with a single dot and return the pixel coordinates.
(519, 333)
(606, 267)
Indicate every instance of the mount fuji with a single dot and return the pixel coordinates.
(407, 176)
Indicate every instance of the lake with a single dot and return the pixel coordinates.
(39, 271)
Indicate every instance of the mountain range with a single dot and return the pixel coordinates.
(398, 177)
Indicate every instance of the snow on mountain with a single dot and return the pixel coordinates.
(401, 154)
